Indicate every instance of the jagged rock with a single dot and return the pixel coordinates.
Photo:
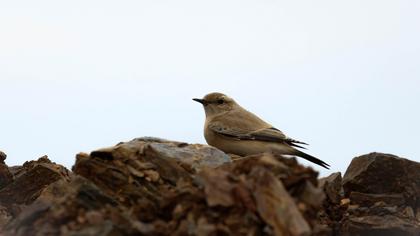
(385, 190)
(30, 180)
(299, 181)
(151, 186)
(25, 184)
(198, 195)
(275, 205)
(379, 173)
(332, 187)
(250, 183)
(2, 157)
(72, 208)
(5, 176)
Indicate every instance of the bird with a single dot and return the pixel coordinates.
(232, 129)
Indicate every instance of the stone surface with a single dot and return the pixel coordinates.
(29, 182)
(151, 186)
(275, 205)
(379, 173)
(332, 187)
(2, 157)
(5, 176)
(369, 199)
(385, 192)
(25, 183)
(70, 204)
(380, 225)
(199, 195)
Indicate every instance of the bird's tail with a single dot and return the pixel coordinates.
(311, 159)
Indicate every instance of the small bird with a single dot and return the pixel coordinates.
(232, 129)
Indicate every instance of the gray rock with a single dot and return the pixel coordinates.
(193, 156)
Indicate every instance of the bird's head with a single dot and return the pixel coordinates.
(216, 103)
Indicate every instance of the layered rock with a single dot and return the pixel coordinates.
(151, 186)
(384, 194)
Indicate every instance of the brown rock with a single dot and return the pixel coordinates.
(5, 176)
(80, 209)
(312, 195)
(366, 199)
(345, 202)
(378, 173)
(276, 206)
(218, 187)
(2, 157)
(32, 179)
(379, 225)
(152, 186)
(332, 187)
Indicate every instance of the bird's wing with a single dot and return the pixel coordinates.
(265, 134)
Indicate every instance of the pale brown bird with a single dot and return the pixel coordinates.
(232, 129)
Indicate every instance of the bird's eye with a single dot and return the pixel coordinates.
(220, 101)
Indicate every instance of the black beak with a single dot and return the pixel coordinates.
(202, 101)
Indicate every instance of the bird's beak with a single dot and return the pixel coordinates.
(202, 101)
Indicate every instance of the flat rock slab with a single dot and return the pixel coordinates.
(195, 156)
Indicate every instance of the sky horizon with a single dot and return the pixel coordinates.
(78, 76)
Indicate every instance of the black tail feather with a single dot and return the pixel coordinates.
(295, 145)
(312, 159)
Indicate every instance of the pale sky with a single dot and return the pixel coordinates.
(75, 76)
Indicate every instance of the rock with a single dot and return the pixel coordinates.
(379, 225)
(203, 196)
(418, 215)
(195, 156)
(408, 212)
(78, 200)
(5, 176)
(366, 199)
(151, 186)
(2, 157)
(378, 173)
(275, 205)
(30, 181)
(312, 195)
(218, 187)
(332, 187)
(21, 186)
(345, 202)
(5, 216)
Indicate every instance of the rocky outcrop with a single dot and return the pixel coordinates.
(151, 186)
(384, 194)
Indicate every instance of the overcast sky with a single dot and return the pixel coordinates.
(75, 76)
